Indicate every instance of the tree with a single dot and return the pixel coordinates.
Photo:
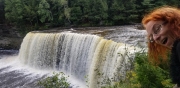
(122, 12)
(55, 13)
(130, 11)
(175, 3)
(36, 13)
(98, 11)
(79, 11)
(13, 9)
(2, 12)
(44, 12)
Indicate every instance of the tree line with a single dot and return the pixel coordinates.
(54, 13)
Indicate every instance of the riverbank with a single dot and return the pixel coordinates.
(8, 43)
(10, 38)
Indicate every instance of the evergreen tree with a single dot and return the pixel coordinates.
(98, 12)
(130, 11)
(175, 3)
(122, 12)
(77, 11)
(13, 10)
(43, 11)
(37, 12)
(55, 13)
(2, 12)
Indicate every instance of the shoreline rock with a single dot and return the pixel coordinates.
(9, 38)
(8, 43)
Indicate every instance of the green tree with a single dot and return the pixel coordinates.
(67, 10)
(76, 11)
(122, 12)
(130, 11)
(175, 3)
(57, 12)
(88, 12)
(2, 12)
(36, 13)
(44, 12)
(98, 11)
(22, 13)
(149, 5)
(13, 10)
(144, 6)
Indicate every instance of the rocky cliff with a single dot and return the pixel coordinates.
(9, 38)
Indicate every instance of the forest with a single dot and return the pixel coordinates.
(30, 15)
(42, 14)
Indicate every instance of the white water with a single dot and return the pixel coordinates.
(77, 55)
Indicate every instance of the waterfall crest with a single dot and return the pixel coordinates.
(79, 55)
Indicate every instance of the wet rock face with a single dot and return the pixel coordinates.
(10, 43)
(9, 38)
(130, 34)
(6, 31)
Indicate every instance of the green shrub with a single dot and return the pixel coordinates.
(54, 81)
(145, 75)
(149, 75)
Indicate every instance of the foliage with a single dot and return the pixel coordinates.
(2, 12)
(145, 75)
(122, 13)
(55, 82)
(149, 75)
(43, 11)
(13, 11)
(34, 13)
(55, 13)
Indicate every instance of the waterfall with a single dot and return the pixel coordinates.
(79, 55)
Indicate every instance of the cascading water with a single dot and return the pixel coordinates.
(83, 57)
(77, 55)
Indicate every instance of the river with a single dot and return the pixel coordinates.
(15, 74)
